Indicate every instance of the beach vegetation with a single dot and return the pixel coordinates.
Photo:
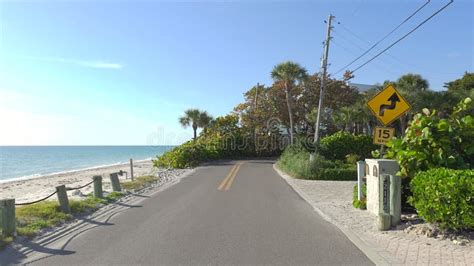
(224, 139)
(4, 241)
(140, 182)
(33, 218)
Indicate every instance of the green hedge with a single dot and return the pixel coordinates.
(341, 144)
(340, 174)
(445, 196)
(295, 161)
(225, 139)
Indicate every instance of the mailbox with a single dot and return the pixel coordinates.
(375, 183)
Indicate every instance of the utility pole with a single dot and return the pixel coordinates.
(324, 65)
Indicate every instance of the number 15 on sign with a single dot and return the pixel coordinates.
(383, 134)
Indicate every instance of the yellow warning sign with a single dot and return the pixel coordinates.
(383, 134)
(388, 105)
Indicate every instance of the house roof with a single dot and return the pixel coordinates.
(362, 87)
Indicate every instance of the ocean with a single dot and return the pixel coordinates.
(30, 161)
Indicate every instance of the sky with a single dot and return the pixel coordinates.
(123, 72)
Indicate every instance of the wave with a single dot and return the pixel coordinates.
(35, 176)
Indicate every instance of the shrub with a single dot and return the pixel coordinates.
(140, 182)
(362, 203)
(295, 161)
(338, 145)
(445, 196)
(352, 158)
(432, 141)
(340, 174)
(223, 140)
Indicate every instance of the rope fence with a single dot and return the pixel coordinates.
(7, 206)
(52, 194)
(81, 187)
(36, 201)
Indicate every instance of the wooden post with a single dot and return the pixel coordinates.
(8, 220)
(131, 168)
(115, 182)
(62, 198)
(98, 193)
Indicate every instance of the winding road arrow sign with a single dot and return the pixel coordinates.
(388, 105)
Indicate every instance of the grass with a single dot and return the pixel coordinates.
(32, 218)
(140, 182)
(297, 164)
(4, 241)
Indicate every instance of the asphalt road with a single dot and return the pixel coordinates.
(237, 212)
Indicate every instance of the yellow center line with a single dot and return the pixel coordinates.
(223, 183)
(232, 177)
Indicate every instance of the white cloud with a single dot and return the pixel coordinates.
(82, 63)
(453, 55)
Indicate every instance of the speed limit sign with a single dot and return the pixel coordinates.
(383, 134)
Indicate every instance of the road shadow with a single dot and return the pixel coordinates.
(139, 195)
(128, 205)
(12, 256)
(255, 160)
(22, 248)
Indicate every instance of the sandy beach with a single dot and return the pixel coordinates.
(26, 190)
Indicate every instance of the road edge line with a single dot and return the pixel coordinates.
(369, 251)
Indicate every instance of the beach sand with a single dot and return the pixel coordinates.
(27, 190)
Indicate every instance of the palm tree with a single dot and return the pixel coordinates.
(344, 117)
(287, 73)
(191, 117)
(205, 120)
(410, 86)
(196, 119)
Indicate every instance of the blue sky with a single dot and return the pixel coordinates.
(118, 73)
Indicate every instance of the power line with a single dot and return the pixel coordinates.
(403, 37)
(347, 40)
(384, 37)
(384, 67)
(395, 59)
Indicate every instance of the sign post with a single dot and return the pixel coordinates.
(388, 105)
(383, 134)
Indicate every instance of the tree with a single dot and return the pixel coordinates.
(195, 118)
(466, 83)
(286, 74)
(337, 95)
(410, 85)
(205, 121)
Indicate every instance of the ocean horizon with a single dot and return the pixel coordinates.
(20, 162)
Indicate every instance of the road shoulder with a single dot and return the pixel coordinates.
(332, 200)
(369, 251)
